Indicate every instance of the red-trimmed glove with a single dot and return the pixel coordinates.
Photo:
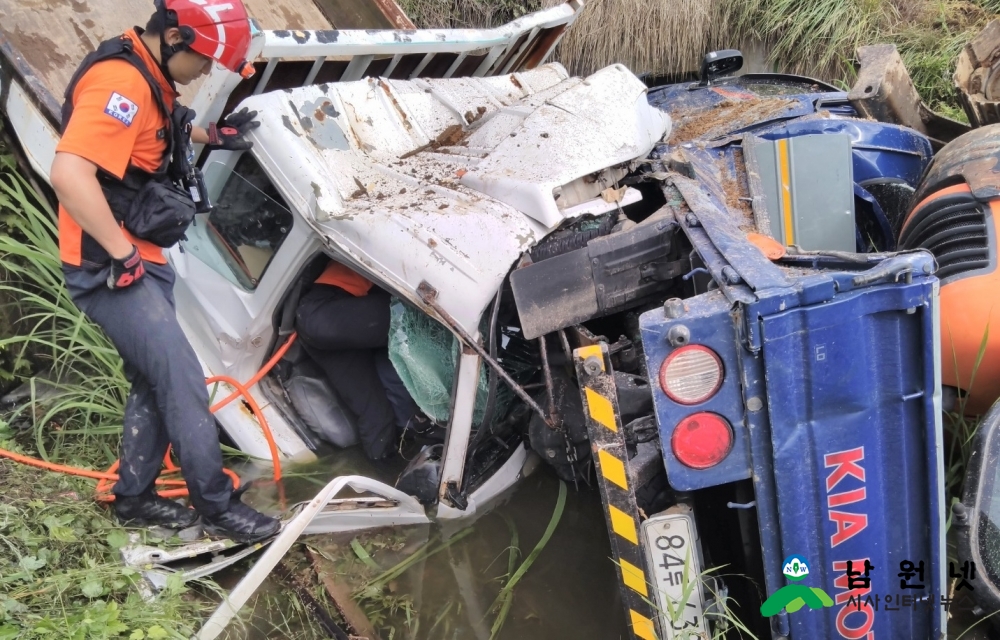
(231, 133)
(127, 271)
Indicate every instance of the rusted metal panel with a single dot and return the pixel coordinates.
(976, 78)
(885, 92)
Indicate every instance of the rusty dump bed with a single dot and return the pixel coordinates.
(45, 40)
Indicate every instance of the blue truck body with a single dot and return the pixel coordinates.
(831, 374)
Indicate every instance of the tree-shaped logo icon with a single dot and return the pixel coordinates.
(793, 597)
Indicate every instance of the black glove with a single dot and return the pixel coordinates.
(229, 134)
(127, 271)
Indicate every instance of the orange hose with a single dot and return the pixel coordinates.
(106, 479)
(260, 374)
(242, 390)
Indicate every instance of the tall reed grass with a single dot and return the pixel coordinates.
(88, 387)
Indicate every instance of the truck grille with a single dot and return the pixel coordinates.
(953, 228)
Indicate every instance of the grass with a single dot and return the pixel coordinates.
(52, 334)
(446, 14)
(655, 37)
(820, 37)
(501, 605)
(812, 37)
(61, 572)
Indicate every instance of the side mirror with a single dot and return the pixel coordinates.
(718, 64)
(976, 519)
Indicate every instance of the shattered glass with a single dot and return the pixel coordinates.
(425, 354)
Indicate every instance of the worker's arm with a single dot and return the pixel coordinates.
(199, 135)
(75, 182)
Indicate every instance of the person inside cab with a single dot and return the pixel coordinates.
(343, 324)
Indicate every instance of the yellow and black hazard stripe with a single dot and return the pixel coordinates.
(607, 442)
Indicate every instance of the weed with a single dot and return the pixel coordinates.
(88, 395)
(506, 596)
(467, 14)
(811, 35)
(62, 576)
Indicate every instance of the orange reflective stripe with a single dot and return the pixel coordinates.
(341, 276)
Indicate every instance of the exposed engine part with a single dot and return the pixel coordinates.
(572, 237)
(610, 274)
(568, 449)
(634, 397)
(587, 187)
(641, 430)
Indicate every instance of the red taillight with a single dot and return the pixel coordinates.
(702, 440)
(691, 374)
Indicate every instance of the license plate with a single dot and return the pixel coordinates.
(670, 545)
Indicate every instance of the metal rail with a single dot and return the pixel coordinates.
(429, 295)
(522, 44)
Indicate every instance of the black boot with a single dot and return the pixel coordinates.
(241, 523)
(150, 510)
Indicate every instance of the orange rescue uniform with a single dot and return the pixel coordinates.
(116, 122)
(338, 275)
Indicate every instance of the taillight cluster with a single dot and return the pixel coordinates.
(691, 375)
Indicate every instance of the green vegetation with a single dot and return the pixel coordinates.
(62, 576)
(86, 398)
(813, 37)
(820, 37)
(466, 14)
(501, 605)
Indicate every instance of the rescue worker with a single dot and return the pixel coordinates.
(112, 174)
(343, 324)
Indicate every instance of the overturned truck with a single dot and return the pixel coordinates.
(700, 297)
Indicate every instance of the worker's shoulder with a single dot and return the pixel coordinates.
(119, 76)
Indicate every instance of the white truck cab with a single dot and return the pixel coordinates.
(428, 161)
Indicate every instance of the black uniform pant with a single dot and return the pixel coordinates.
(347, 336)
(168, 402)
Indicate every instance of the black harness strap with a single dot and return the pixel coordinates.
(120, 193)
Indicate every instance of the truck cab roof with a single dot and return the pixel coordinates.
(449, 181)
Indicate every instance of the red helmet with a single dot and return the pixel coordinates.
(218, 29)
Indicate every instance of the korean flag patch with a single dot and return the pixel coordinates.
(121, 108)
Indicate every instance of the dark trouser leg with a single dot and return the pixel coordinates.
(330, 318)
(167, 378)
(347, 336)
(144, 439)
(352, 374)
(402, 403)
